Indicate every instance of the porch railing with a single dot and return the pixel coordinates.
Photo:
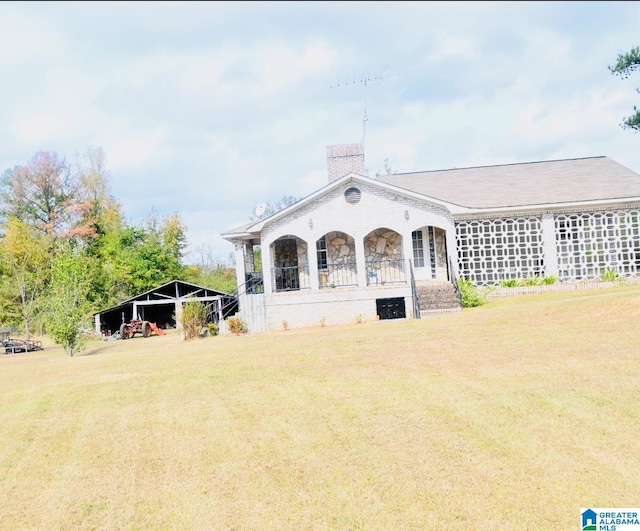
(386, 272)
(290, 278)
(336, 275)
(253, 283)
(339, 275)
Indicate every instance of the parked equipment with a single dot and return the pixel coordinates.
(13, 345)
(139, 326)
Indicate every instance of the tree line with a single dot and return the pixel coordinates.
(66, 250)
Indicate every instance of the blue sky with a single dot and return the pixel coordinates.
(210, 108)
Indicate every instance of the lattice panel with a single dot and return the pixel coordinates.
(590, 244)
(498, 249)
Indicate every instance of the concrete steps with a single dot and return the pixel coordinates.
(437, 297)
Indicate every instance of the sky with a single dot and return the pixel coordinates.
(207, 109)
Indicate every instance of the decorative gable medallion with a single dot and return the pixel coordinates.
(352, 195)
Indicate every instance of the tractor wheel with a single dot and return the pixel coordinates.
(146, 329)
(125, 331)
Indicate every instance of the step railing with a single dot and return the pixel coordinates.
(455, 281)
(414, 293)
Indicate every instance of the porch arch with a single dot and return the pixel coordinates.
(289, 263)
(384, 256)
(336, 258)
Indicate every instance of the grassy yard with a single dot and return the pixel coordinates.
(512, 415)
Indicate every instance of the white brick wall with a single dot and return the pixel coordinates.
(335, 306)
(378, 208)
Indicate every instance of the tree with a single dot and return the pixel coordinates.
(42, 194)
(98, 211)
(68, 308)
(60, 200)
(387, 169)
(169, 231)
(215, 273)
(137, 259)
(272, 208)
(25, 257)
(193, 318)
(625, 65)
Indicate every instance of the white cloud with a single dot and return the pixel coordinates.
(24, 38)
(35, 128)
(209, 108)
(137, 150)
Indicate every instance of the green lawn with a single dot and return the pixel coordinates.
(513, 415)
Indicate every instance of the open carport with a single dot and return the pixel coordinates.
(163, 305)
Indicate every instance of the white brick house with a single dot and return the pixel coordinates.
(360, 248)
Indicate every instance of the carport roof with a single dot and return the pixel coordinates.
(170, 291)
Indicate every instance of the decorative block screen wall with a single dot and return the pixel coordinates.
(590, 244)
(498, 249)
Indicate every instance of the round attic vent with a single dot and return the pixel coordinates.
(352, 195)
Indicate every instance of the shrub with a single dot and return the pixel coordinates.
(193, 319)
(551, 279)
(236, 325)
(530, 281)
(471, 295)
(610, 275)
(213, 328)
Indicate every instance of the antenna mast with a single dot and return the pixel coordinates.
(365, 81)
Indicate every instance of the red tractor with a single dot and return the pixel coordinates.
(138, 326)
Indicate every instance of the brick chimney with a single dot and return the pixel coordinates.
(343, 159)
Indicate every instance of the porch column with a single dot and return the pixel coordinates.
(549, 250)
(267, 266)
(178, 314)
(407, 253)
(241, 272)
(452, 252)
(361, 261)
(312, 256)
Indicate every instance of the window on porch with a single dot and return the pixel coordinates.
(418, 248)
(336, 260)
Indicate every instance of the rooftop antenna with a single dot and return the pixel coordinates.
(364, 81)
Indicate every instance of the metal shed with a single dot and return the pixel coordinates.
(163, 305)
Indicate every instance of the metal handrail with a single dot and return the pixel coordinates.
(455, 281)
(414, 292)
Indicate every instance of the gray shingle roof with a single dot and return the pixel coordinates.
(531, 183)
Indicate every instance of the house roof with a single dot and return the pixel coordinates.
(506, 186)
(254, 227)
(531, 183)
